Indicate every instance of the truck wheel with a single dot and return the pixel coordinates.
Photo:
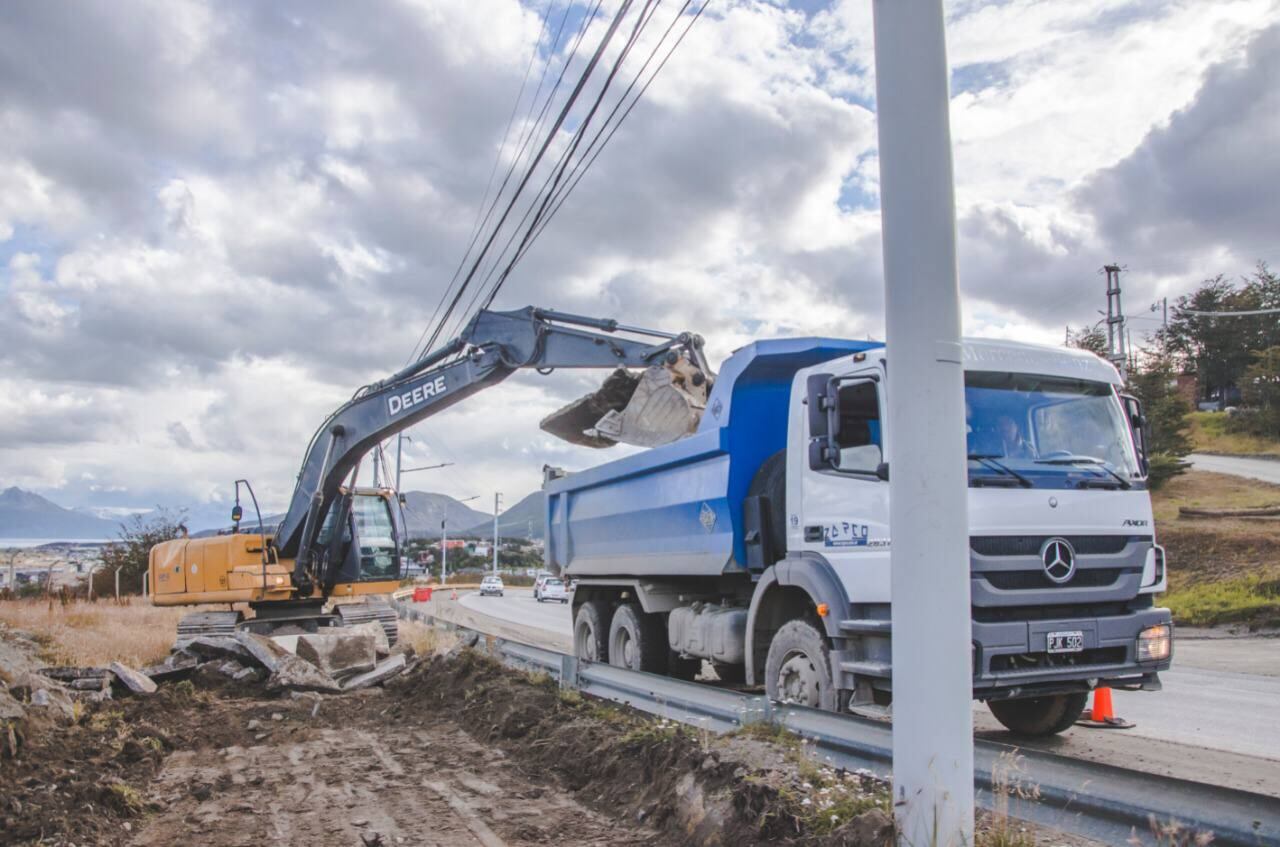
(589, 631)
(1039, 715)
(798, 668)
(636, 640)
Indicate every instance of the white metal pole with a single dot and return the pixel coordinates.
(932, 677)
(444, 551)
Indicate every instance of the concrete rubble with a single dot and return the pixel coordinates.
(138, 683)
(287, 670)
(340, 653)
(384, 670)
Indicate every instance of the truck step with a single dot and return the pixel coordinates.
(871, 710)
(865, 668)
(866, 626)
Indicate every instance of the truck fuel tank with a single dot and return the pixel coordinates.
(709, 632)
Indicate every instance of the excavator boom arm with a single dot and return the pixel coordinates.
(492, 347)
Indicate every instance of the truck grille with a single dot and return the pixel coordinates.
(1001, 614)
(1015, 580)
(1029, 545)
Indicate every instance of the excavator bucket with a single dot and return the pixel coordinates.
(658, 405)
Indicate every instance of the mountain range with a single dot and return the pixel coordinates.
(24, 514)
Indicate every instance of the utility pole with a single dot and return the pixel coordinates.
(444, 550)
(928, 488)
(400, 440)
(1116, 347)
(497, 507)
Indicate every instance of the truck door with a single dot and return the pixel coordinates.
(844, 502)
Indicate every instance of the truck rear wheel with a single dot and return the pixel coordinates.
(1039, 715)
(637, 640)
(798, 668)
(589, 631)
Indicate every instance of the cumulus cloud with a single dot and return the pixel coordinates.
(218, 219)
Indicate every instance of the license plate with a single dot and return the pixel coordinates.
(1066, 642)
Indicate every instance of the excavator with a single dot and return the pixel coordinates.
(339, 548)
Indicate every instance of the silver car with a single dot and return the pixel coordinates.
(552, 589)
(491, 585)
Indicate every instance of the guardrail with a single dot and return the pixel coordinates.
(1098, 801)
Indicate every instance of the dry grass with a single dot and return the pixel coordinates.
(425, 640)
(81, 633)
(1209, 435)
(1214, 491)
(1221, 570)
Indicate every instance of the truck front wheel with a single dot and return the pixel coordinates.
(590, 630)
(798, 667)
(1039, 715)
(637, 640)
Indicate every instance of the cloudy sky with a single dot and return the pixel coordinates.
(219, 218)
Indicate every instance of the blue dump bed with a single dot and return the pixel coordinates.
(677, 509)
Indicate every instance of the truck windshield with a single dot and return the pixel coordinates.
(1046, 432)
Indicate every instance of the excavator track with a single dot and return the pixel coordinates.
(354, 614)
(213, 624)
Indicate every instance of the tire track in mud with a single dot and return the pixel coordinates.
(303, 784)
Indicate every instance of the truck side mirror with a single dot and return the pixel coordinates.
(821, 399)
(818, 391)
(1140, 428)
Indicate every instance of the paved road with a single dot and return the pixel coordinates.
(1214, 721)
(1266, 470)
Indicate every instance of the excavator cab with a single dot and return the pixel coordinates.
(372, 539)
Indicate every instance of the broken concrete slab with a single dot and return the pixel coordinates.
(299, 675)
(249, 675)
(63, 674)
(90, 683)
(263, 650)
(339, 652)
(228, 667)
(44, 693)
(381, 643)
(10, 709)
(213, 647)
(175, 666)
(135, 681)
(385, 669)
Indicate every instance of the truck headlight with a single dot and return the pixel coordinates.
(1155, 643)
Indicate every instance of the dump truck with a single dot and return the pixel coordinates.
(760, 543)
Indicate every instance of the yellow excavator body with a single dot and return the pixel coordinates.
(231, 569)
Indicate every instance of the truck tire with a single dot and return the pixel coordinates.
(798, 667)
(771, 481)
(590, 631)
(637, 640)
(1039, 716)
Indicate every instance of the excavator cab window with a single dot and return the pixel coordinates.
(375, 528)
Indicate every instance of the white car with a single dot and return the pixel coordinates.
(491, 585)
(552, 588)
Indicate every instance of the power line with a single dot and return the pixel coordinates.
(1248, 312)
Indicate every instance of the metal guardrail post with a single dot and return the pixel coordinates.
(568, 671)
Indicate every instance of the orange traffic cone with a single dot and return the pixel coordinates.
(1102, 715)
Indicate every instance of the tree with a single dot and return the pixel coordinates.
(1090, 338)
(1155, 384)
(1260, 390)
(1220, 348)
(131, 554)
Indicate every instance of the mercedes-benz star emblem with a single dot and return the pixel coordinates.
(1059, 559)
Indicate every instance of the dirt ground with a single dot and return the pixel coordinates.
(459, 751)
